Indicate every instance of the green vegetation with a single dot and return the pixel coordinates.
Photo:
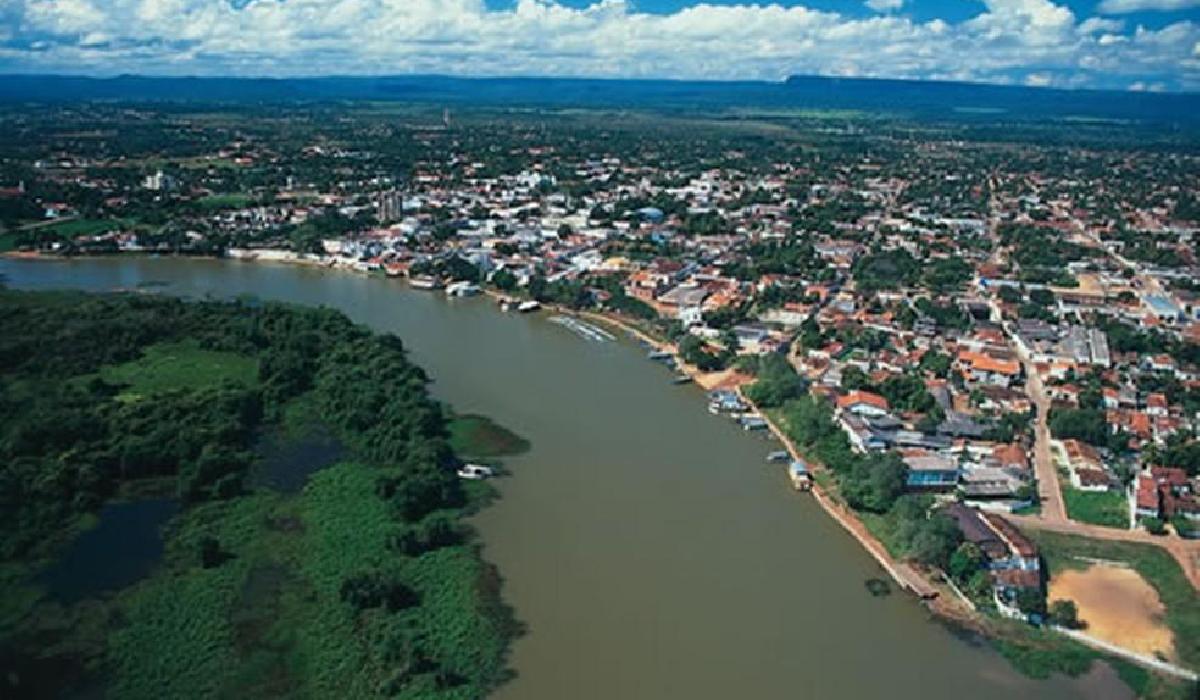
(1107, 508)
(82, 227)
(886, 270)
(1086, 424)
(181, 366)
(364, 584)
(777, 382)
(478, 436)
(1040, 654)
(225, 201)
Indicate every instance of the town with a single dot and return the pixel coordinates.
(967, 340)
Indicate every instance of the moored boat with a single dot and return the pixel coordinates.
(425, 282)
(475, 472)
(798, 473)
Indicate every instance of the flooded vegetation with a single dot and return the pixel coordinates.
(123, 547)
(318, 524)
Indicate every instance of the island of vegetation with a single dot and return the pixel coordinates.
(362, 582)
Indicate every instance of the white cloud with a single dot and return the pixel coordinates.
(884, 5)
(1008, 41)
(1094, 25)
(1119, 7)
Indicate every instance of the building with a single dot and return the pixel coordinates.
(863, 403)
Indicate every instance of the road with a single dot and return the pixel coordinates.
(1049, 490)
(1186, 552)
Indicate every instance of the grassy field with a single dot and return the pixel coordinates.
(181, 366)
(83, 227)
(479, 437)
(1155, 565)
(1110, 508)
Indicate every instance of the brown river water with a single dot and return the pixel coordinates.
(646, 545)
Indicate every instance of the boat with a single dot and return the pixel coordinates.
(659, 355)
(475, 472)
(463, 289)
(752, 422)
(681, 379)
(425, 282)
(779, 456)
(798, 473)
(528, 306)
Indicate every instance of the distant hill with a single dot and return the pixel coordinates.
(926, 99)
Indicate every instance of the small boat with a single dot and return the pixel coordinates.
(751, 422)
(462, 289)
(779, 456)
(798, 473)
(659, 355)
(528, 306)
(681, 379)
(425, 282)
(476, 472)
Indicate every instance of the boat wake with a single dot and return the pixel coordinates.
(584, 330)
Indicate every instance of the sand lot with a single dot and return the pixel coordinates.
(1118, 606)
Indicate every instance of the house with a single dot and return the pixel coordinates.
(863, 403)
(1014, 562)
(1086, 467)
(1166, 492)
(931, 472)
(1011, 457)
(982, 368)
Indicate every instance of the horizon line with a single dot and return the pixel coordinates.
(586, 78)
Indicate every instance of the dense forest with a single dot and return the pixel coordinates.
(363, 583)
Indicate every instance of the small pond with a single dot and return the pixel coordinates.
(286, 463)
(123, 548)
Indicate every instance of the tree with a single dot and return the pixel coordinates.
(1064, 614)
(875, 482)
(1031, 601)
(1087, 424)
(935, 540)
(504, 280)
(374, 589)
(777, 382)
(966, 560)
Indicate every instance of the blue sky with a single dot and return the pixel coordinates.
(1112, 44)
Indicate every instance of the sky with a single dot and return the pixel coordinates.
(1111, 44)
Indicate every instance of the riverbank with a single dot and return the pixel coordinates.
(938, 596)
(677, 459)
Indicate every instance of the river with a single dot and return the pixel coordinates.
(647, 546)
